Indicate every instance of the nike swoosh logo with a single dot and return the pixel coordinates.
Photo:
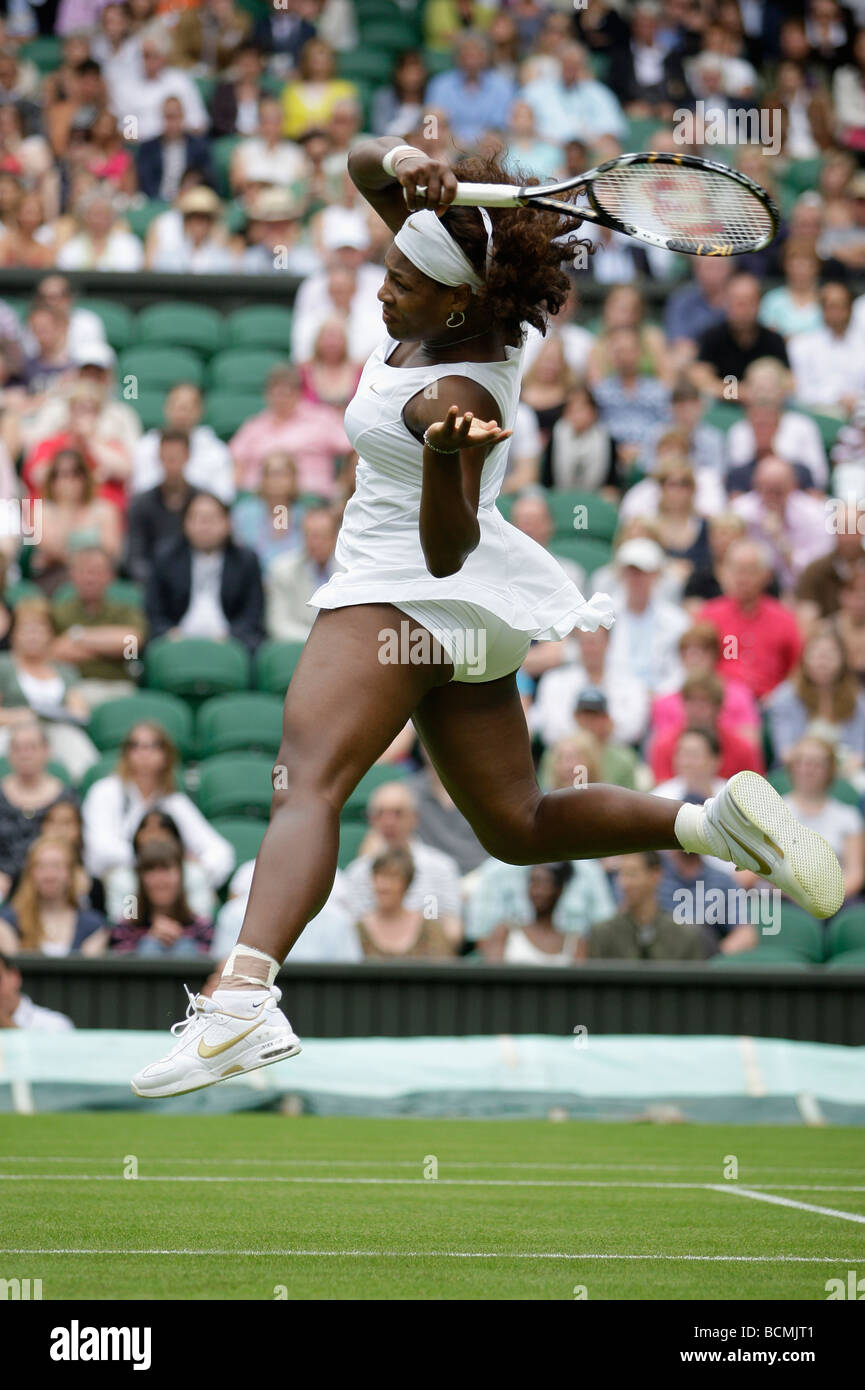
(205, 1050)
(765, 869)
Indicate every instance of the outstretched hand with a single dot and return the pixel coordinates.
(456, 432)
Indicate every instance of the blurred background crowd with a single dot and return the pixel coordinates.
(690, 439)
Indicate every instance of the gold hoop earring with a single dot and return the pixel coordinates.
(459, 322)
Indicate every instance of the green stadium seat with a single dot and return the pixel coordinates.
(846, 933)
(120, 590)
(46, 52)
(106, 766)
(243, 833)
(139, 219)
(226, 413)
(641, 129)
(356, 802)
(601, 517)
(800, 933)
(588, 551)
(436, 61)
(367, 65)
(195, 668)
(801, 175)
(840, 789)
(230, 723)
(206, 86)
(391, 34)
(365, 94)
(723, 415)
(378, 11)
(22, 588)
(117, 320)
(222, 150)
(235, 784)
(149, 406)
(758, 959)
(194, 326)
(274, 666)
(829, 426)
(799, 942)
(111, 721)
(260, 326)
(243, 369)
(160, 368)
(56, 769)
(351, 834)
(847, 960)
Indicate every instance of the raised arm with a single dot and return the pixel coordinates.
(394, 197)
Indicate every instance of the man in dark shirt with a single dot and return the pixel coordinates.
(157, 515)
(725, 352)
(642, 930)
(696, 890)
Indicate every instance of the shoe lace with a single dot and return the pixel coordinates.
(195, 1004)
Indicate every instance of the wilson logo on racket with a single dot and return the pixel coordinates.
(676, 201)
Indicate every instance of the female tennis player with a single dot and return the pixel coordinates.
(430, 570)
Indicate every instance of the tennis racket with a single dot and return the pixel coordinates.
(677, 201)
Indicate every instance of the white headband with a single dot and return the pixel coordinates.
(428, 244)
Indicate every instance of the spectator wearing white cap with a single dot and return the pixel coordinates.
(117, 427)
(345, 241)
(646, 632)
(274, 242)
(189, 239)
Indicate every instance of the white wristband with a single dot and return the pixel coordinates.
(393, 157)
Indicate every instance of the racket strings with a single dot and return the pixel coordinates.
(696, 206)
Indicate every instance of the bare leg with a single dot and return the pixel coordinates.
(342, 709)
(477, 737)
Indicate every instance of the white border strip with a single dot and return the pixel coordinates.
(851, 1260)
(789, 1202)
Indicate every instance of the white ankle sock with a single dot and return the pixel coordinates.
(239, 1001)
(689, 828)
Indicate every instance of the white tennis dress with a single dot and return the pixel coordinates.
(510, 588)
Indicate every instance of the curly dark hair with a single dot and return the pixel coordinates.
(525, 282)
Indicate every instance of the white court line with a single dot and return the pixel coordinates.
(413, 1163)
(788, 1202)
(445, 1255)
(428, 1182)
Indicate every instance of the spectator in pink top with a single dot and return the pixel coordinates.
(700, 652)
(760, 638)
(312, 434)
(789, 521)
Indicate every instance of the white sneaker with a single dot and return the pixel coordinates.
(215, 1044)
(749, 823)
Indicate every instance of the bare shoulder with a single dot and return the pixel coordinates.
(433, 402)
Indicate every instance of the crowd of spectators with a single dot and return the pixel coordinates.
(718, 406)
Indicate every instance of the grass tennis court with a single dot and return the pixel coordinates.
(317, 1208)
